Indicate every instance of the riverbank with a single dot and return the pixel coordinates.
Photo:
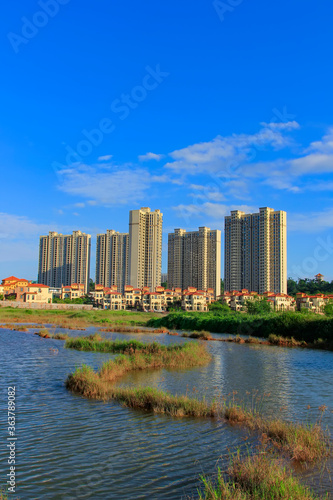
(76, 320)
(312, 329)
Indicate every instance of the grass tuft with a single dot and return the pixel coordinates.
(203, 335)
(257, 477)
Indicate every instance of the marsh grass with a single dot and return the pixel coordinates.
(96, 343)
(129, 329)
(203, 335)
(301, 442)
(139, 356)
(256, 477)
(45, 334)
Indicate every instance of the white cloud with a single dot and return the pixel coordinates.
(223, 155)
(292, 125)
(213, 210)
(116, 186)
(151, 156)
(311, 222)
(210, 195)
(19, 227)
(105, 158)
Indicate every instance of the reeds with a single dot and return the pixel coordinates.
(203, 335)
(136, 356)
(302, 443)
(256, 477)
(129, 329)
(97, 344)
(45, 334)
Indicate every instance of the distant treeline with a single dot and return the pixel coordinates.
(303, 327)
(310, 287)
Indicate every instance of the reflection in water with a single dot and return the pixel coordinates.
(71, 448)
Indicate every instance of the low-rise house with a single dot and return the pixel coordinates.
(74, 291)
(98, 295)
(279, 301)
(9, 284)
(34, 293)
(194, 300)
(143, 299)
(153, 301)
(313, 303)
(113, 300)
(132, 297)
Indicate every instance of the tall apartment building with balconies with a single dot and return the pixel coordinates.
(194, 259)
(145, 248)
(64, 259)
(255, 256)
(112, 252)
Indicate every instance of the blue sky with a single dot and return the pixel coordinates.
(195, 108)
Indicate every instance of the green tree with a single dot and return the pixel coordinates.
(91, 285)
(258, 306)
(328, 308)
(219, 308)
(11, 296)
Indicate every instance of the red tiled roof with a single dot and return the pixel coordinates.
(37, 285)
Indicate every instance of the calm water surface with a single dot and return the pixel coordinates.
(69, 447)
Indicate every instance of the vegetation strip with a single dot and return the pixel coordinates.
(257, 477)
(309, 329)
(73, 319)
(97, 344)
(129, 329)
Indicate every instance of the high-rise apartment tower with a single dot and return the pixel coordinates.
(145, 248)
(112, 259)
(64, 259)
(255, 255)
(194, 259)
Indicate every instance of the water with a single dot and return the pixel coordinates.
(69, 447)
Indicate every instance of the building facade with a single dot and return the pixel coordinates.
(145, 248)
(194, 259)
(112, 251)
(64, 259)
(255, 256)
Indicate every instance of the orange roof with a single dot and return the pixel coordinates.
(37, 285)
(10, 278)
